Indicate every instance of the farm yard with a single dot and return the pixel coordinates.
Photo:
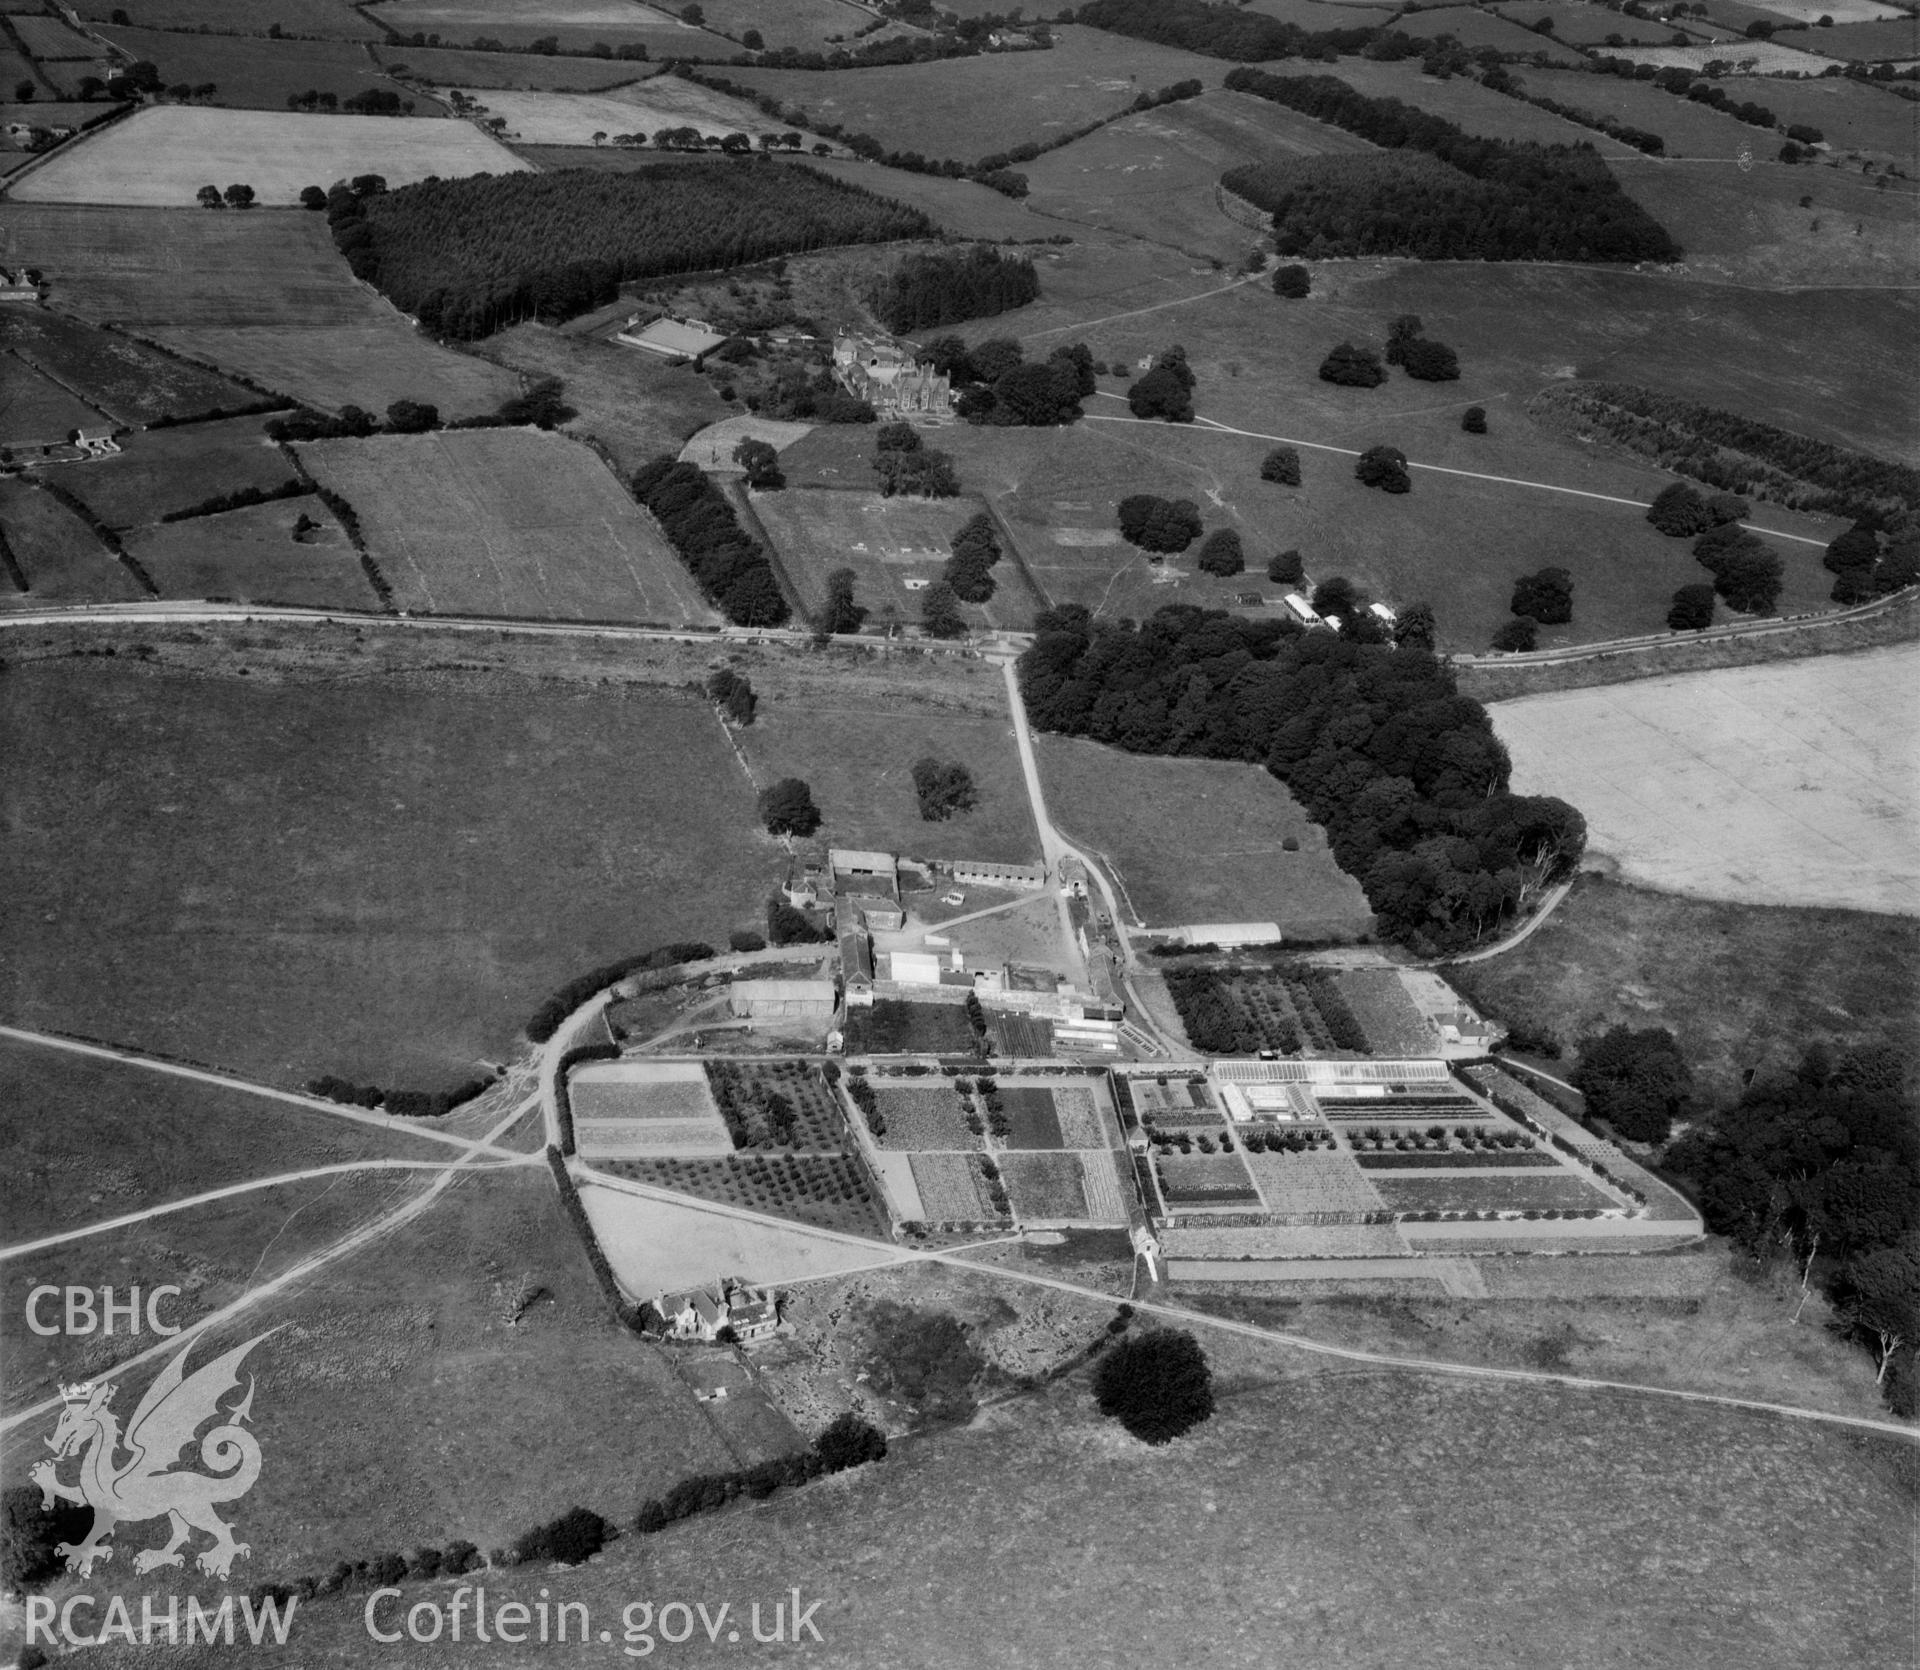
(162, 155)
(895, 547)
(369, 366)
(1820, 810)
(125, 379)
(255, 556)
(286, 905)
(507, 522)
(819, 1190)
(1200, 840)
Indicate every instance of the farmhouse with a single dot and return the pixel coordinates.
(889, 378)
(747, 1314)
(856, 967)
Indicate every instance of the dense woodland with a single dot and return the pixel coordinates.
(943, 288)
(1741, 455)
(731, 566)
(1404, 773)
(1496, 200)
(468, 256)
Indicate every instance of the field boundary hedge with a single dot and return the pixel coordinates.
(100, 531)
(625, 1309)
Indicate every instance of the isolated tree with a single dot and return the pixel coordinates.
(1429, 361)
(1547, 596)
(1282, 465)
(944, 788)
(208, 197)
(1521, 634)
(841, 613)
(1384, 467)
(239, 197)
(1414, 627)
(1286, 568)
(1292, 281)
(1353, 367)
(1161, 394)
(1157, 1385)
(312, 197)
(23, 91)
(787, 808)
(1679, 512)
(760, 463)
(1221, 553)
(1474, 420)
(1692, 608)
(940, 612)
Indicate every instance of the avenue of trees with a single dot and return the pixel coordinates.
(1437, 192)
(946, 287)
(467, 256)
(729, 564)
(1403, 772)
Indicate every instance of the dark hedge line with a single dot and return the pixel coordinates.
(1514, 202)
(240, 498)
(848, 1442)
(402, 1104)
(731, 565)
(628, 1312)
(103, 533)
(563, 1096)
(577, 990)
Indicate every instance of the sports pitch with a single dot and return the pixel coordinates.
(161, 157)
(1789, 784)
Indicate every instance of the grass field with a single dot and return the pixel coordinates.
(48, 37)
(329, 19)
(886, 542)
(807, 24)
(1475, 28)
(1791, 784)
(507, 522)
(170, 469)
(57, 552)
(822, 1191)
(1746, 57)
(1153, 175)
(147, 267)
(1854, 115)
(92, 1139)
(251, 556)
(316, 873)
(1889, 37)
(1579, 23)
(1691, 130)
(939, 108)
(859, 761)
(575, 23)
(251, 73)
(1199, 840)
(163, 155)
(632, 402)
(1742, 986)
(125, 378)
(1312, 14)
(369, 366)
(661, 101)
(36, 411)
(453, 67)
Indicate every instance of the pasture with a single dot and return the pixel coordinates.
(252, 556)
(642, 107)
(1475, 28)
(144, 267)
(170, 469)
(1866, 41)
(36, 411)
(895, 546)
(941, 109)
(318, 873)
(1854, 115)
(443, 66)
(1691, 130)
(1788, 784)
(91, 1139)
(574, 23)
(328, 19)
(48, 37)
(1745, 57)
(507, 522)
(249, 72)
(1199, 840)
(124, 378)
(1743, 987)
(57, 553)
(806, 24)
(368, 365)
(858, 759)
(161, 156)
(1581, 23)
(1323, 14)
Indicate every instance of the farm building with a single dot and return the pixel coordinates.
(887, 376)
(671, 338)
(970, 872)
(856, 966)
(1300, 609)
(1225, 934)
(783, 1000)
(702, 1313)
(866, 889)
